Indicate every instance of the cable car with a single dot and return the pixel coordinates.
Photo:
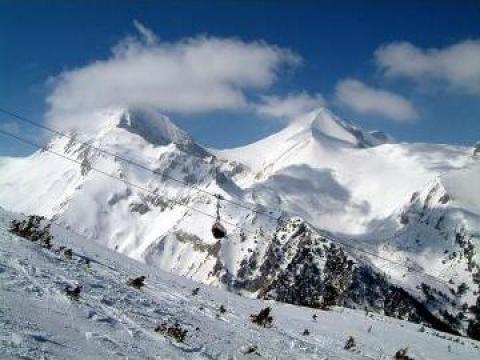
(218, 230)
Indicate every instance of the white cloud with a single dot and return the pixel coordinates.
(290, 106)
(367, 100)
(457, 65)
(147, 34)
(193, 75)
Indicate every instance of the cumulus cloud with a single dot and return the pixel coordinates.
(457, 65)
(290, 106)
(367, 100)
(192, 75)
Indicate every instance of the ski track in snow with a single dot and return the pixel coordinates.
(114, 321)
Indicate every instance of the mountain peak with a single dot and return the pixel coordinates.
(156, 128)
(128, 127)
(325, 125)
(151, 125)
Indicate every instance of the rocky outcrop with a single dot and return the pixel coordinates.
(304, 268)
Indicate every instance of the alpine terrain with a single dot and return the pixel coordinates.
(63, 297)
(320, 214)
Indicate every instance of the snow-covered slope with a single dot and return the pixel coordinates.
(330, 175)
(439, 234)
(348, 184)
(102, 207)
(111, 320)
(415, 204)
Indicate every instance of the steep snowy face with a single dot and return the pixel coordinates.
(437, 231)
(115, 126)
(156, 128)
(327, 125)
(320, 130)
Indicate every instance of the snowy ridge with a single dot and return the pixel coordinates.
(440, 234)
(111, 320)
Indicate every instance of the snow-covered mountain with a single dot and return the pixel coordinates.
(111, 320)
(329, 174)
(317, 184)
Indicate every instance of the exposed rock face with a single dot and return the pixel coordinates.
(432, 221)
(310, 270)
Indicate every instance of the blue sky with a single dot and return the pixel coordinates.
(406, 68)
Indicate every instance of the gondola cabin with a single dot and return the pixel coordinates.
(218, 230)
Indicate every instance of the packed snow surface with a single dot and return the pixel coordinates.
(111, 320)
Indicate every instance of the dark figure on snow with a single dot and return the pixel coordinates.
(74, 293)
(137, 282)
(263, 318)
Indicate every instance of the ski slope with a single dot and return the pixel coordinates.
(111, 320)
